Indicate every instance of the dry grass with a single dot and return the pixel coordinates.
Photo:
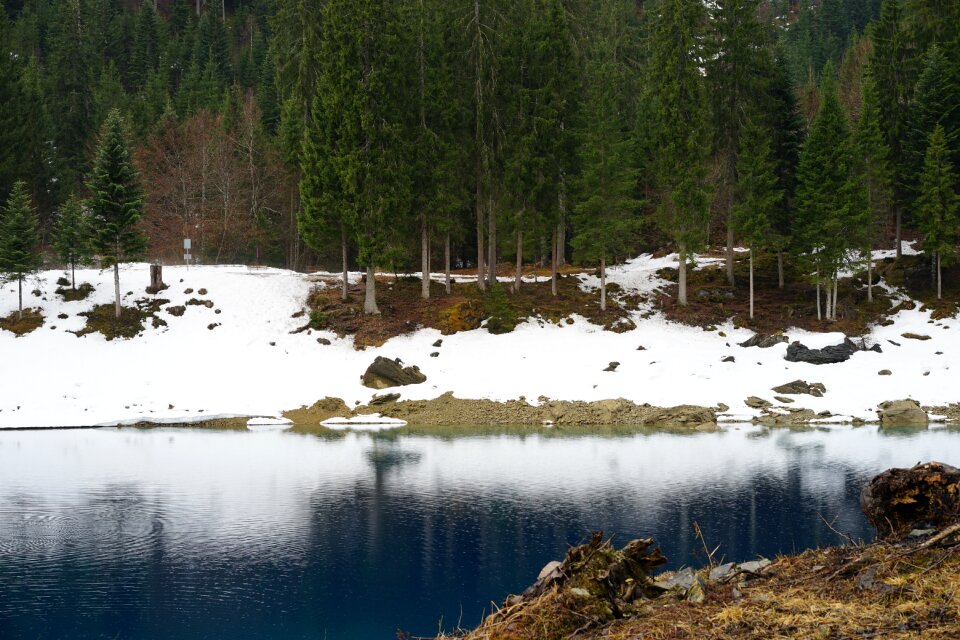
(31, 321)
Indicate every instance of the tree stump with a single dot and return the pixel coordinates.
(899, 500)
(156, 279)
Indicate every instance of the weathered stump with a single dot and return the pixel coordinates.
(156, 279)
(900, 500)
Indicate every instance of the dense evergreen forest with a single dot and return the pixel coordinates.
(416, 134)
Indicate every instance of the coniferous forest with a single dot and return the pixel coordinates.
(419, 134)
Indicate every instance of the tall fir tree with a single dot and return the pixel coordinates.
(936, 102)
(71, 236)
(938, 207)
(758, 195)
(683, 208)
(116, 201)
(872, 167)
(19, 239)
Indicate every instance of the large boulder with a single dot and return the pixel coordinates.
(797, 352)
(765, 341)
(902, 412)
(900, 500)
(384, 373)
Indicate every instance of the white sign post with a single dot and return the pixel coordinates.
(187, 256)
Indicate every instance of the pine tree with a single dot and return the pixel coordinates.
(606, 220)
(758, 194)
(71, 236)
(684, 201)
(938, 207)
(874, 172)
(19, 239)
(936, 102)
(830, 203)
(116, 201)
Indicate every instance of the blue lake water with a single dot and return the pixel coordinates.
(180, 533)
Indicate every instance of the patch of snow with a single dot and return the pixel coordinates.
(372, 422)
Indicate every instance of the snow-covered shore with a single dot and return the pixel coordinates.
(251, 364)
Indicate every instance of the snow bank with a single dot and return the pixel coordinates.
(250, 364)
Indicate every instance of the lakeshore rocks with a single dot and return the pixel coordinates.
(915, 336)
(898, 501)
(799, 387)
(757, 403)
(386, 398)
(902, 412)
(765, 341)
(784, 399)
(384, 373)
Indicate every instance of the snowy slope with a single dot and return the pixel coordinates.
(186, 372)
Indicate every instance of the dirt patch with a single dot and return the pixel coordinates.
(403, 311)
(102, 319)
(31, 321)
(70, 294)
(448, 410)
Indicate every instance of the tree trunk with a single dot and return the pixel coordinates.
(20, 294)
(345, 285)
(939, 279)
(899, 236)
(446, 262)
(561, 244)
(780, 269)
(870, 276)
(516, 283)
(836, 288)
(553, 264)
(116, 285)
(731, 279)
(491, 245)
(481, 270)
(751, 283)
(424, 261)
(73, 274)
(682, 279)
(603, 283)
(819, 314)
(370, 299)
(829, 299)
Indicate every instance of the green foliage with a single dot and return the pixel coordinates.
(872, 165)
(116, 200)
(19, 238)
(72, 234)
(757, 187)
(938, 206)
(936, 102)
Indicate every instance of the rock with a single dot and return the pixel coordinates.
(580, 591)
(765, 341)
(902, 412)
(754, 566)
(722, 572)
(384, 373)
(799, 387)
(898, 501)
(797, 352)
(757, 403)
(914, 336)
(729, 359)
(722, 408)
(783, 399)
(176, 311)
(682, 580)
(641, 348)
(551, 569)
(434, 354)
(884, 372)
(438, 343)
(386, 398)
(894, 343)
(323, 341)
(612, 366)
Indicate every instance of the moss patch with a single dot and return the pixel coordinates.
(70, 294)
(102, 319)
(31, 321)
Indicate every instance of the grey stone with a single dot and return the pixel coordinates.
(386, 398)
(434, 354)
(783, 399)
(550, 570)
(833, 354)
(757, 403)
(723, 571)
(921, 533)
(580, 591)
(902, 412)
(765, 341)
(799, 387)
(682, 580)
(884, 372)
(438, 343)
(612, 366)
(384, 373)
(729, 359)
(754, 566)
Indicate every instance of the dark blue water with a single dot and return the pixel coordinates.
(197, 534)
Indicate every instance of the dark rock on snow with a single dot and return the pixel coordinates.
(764, 341)
(729, 359)
(612, 366)
(799, 387)
(833, 354)
(384, 373)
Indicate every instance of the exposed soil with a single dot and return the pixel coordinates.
(447, 410)
(31, 321)
(102, 319)
(879, 590)
(403, 311)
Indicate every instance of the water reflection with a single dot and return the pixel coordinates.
(192, 534)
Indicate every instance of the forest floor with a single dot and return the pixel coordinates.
(877, 590)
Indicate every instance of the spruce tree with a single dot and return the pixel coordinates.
(19, 239)
(873, 170)
(758, 194)
(684, 201)
(71, 236)
(936, 102)
(938, 207)
(116, 201)
(606, 220)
